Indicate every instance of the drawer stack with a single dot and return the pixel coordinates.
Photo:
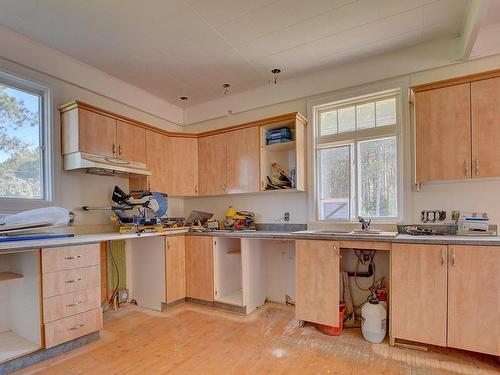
(71, 292)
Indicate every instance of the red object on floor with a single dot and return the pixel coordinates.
(333, 331)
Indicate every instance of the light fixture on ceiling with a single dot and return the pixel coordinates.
(184, 98)
(226, 87)
(276, 72)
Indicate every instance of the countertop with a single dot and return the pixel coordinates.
(278, 235)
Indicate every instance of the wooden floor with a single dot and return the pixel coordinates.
(192, 339)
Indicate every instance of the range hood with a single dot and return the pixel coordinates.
(103, 165)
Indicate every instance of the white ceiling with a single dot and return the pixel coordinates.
(172, 48)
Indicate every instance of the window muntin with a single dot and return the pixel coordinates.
(367, 134)
(24, 172)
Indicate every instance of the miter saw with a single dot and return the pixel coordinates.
(140, 211)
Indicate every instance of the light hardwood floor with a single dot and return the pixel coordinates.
(191, 339)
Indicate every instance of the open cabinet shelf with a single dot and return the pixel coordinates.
(5, 276)
(20, 310)
(290, 155)
(228, 279)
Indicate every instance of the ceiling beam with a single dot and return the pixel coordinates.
(472, 23)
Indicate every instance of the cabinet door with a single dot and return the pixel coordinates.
(156, 149)
(473, 295)
(131, 142)
(418, 293)
(485, 97)
(96, 133)
(199, 268)
(212, 164)
(443, 134)
(317, 281)
(243, 160)
(175, 268)
(182, 166)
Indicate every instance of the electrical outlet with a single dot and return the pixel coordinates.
(286, 216)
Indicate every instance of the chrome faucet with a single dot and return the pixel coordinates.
(365, 225)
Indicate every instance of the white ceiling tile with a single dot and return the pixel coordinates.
(444, 10)
(219, 12)
(190, 47)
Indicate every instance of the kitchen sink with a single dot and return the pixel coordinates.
(356, 232)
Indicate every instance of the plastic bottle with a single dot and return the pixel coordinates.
(373, 321)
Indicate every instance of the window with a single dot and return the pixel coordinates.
(24, 169)
(357, 167)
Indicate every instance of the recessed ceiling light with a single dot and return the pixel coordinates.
(226, 87)
(184, 98)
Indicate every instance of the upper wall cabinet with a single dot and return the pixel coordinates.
(457, 128)
(212, 160)
(242, 175)
(485, 97)
(288, 155)
(84, 130)
(173, 162)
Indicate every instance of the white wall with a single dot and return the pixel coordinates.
(73, 190)
(469, 195)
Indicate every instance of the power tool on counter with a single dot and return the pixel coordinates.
(140, 211)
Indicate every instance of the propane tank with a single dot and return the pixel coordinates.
(373, 321)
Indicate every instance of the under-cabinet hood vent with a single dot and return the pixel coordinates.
(103, 165)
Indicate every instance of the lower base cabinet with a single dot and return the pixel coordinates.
(175, 269)
(446, 295)
(317, 281)
(418, 293)
(473, 298)
(71, 291)
(200, 268)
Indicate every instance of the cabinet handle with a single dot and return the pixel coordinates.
(76, 257)
(442, 257)
(466, 168)
(196, 189)
(477, 167)
(452, 253)
(337, 251)
(76, 327)
(114, 149)
(74, 304)
(73, 281)
(119, 149)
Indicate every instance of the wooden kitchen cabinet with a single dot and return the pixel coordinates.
(181, 166)
(443, 133)
(156, 146)
(199, 268)
(485, 98)
(212, 161)
(131, 141)
(243, 160)
(175, 266)
(418, 295)
(89, 132)
(317, 281)
(473, 294)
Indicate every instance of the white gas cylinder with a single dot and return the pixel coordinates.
(373, 321)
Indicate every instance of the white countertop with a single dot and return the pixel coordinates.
(79, 240)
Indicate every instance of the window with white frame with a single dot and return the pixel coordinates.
(24, 140)
(357, 144)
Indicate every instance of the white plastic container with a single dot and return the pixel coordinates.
(373, 321)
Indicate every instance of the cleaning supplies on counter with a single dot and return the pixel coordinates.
(373, 321)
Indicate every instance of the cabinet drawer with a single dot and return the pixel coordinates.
(62, 282)
(59, 307)
(70, 328)
(70, 257)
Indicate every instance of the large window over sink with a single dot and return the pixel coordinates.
(357, 143)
